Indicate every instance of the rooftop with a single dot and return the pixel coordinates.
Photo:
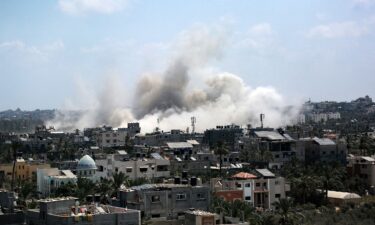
(265, 173)
(179, 145)
(270, 135)
(243, 175)
(158, 186)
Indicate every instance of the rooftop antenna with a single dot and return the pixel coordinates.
(193, 121)
(262, 116)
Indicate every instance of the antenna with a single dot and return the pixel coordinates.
(262, 116)
(193, 121)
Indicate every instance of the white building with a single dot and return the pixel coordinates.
(154, 167)
(323, 117)
(49, 180)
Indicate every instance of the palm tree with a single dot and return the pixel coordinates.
(221, 150)
(330, 179)
(285, 213)
(304, 186)
(85, 187)
(104, 188)
(118, 180)
(26, 189)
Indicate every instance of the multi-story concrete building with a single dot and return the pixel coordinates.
(165, 200)
(364, 168)
(160, 138)
(279, 146)
(112, 137)
(323, 117)
(154, 167)
(68, 211)
(313, 150)
(260, 190)
(25, 170)
(227, 134)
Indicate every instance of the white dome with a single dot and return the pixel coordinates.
(86, 163)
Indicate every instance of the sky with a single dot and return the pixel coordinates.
(55, 52)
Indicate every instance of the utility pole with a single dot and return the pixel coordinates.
(262, 116)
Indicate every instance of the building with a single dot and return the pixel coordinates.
(25, 170)
(165, 201)
(68, 211)
(259, 141)
(338, 198)
(364, 168)
(324, 117)
(200, 217)
(154, 167)
(48, 180)
(9, 215)
(160, 138)
(109, 137)
(260, 189)
(227, 134)
(314, 150)
(86, 168)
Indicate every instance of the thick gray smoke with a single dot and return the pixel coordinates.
(186, 88)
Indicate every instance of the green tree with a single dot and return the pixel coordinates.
(118, 180)
(221, 150)
(285, 213)
(27, 189)
(104, 188)
(85, 187)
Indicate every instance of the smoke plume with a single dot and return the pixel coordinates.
(187, 87)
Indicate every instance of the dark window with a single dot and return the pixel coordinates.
(155, 198)
(181, 196)
(277, 195)
(248, 198)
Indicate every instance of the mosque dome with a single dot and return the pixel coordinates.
(86, 163)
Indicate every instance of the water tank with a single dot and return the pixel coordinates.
(193, 181)
(177, 180)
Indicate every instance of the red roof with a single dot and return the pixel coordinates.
(243, 175)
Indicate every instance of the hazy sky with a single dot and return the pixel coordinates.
(323, 50)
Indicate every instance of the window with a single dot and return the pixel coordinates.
(155, 215)
(238, 185)
(265, 184)
(277, 182)
(116, 169)
(155, 198)
(257, 184)
(201, 196)
(143, 169)
(248, 198)
(364, 166)
(277, 195)
(181, 196)
(129, 170)
(247, 185)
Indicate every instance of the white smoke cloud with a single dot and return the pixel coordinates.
(182, 90)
